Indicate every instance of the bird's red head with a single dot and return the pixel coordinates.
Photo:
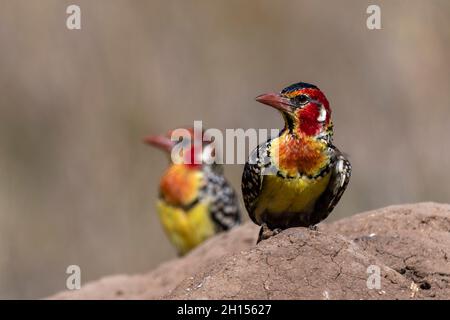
(190, 153)
(304, 107)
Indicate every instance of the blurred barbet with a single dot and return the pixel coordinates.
(195, 201)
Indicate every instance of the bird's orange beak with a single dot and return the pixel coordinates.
(161, 142)
(276, 101)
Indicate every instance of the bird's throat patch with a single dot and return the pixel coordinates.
(180, 185)
(297, 156)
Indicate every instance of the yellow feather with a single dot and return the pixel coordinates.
(186, 229)
(280, 195)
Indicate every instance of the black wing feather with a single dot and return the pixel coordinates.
(224, 208)
(340, 177)
(252, 176)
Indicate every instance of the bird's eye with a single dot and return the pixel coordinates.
(301, 99)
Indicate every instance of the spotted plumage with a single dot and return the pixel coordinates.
(297, 178)
(224, 206)
(195, 200)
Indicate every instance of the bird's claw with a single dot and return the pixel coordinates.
(265, 232)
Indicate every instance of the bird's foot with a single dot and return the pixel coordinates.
(314, 228)
(265, 232)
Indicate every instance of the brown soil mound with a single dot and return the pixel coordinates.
(409, 243)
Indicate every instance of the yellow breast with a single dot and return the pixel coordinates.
(186, 229)
(280, 195)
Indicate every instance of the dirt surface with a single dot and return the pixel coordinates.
(414, 240)
(164, 278)
(409, 243)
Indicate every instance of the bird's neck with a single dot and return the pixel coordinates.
(307, 125)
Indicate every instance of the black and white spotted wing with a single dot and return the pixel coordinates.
(224, 207)
(340, 177)
(252, 176)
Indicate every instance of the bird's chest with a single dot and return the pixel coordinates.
(180, 185)
(281, 195)
(186, 228)
(295, 157)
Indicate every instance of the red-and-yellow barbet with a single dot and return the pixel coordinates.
(195, 200)
(298, 177)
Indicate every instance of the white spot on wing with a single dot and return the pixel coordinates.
(340, 169)
(340, 166)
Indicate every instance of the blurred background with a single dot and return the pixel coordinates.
(77, 186)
